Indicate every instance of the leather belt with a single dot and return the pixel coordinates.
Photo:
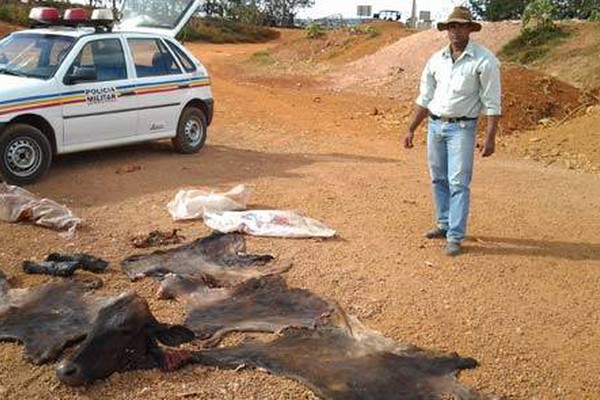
(451, 120)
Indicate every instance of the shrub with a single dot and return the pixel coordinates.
(372, 32)
(220, 31)
(594, 16)
(538, 33)
(366, 30)
(314, 31)
(14, 14)
(539, 14)
(532, 44)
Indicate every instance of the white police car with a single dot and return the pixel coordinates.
(73, 83)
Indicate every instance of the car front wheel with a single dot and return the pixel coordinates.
(191, 131)
(25, 154)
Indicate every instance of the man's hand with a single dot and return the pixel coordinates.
(408, 140)
(419, 115)
(488, 148)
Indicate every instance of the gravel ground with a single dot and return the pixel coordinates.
(523, 299)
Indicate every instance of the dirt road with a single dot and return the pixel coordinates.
(523, 300)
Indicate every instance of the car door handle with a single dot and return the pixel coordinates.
(127, 93)
(185, 86)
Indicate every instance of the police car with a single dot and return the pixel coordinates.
(73, 83)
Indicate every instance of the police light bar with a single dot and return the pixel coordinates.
(103, 20)
(105, 15)
(75, 15)
(44, 15)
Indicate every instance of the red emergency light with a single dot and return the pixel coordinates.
(44, 14)
(75, 15)
(102, 20)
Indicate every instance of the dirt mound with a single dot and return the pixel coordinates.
(396, 69)
(530, 97)
(574, 144)
(342, 45)
(577, 59)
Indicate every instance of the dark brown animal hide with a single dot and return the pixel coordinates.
(258, 305)
(47, 318)
(345, 361)
(220, 256)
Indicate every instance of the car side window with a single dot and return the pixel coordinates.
(152, 58)
(183, 58)
(105, 56)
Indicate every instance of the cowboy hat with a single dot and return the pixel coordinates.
(460, 15)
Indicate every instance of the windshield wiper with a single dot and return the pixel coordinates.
(7, 71)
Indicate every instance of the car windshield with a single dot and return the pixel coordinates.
(154, 14)
(33, 55)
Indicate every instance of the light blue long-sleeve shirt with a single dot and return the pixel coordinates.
(465, 88)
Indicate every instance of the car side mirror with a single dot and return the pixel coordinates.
(81, 74)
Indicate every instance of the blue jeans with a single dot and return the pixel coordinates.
(450, 150)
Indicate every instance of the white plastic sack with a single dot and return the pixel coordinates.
(17, 204)
(275, 223)
(192, 204)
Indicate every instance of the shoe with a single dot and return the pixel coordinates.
(437, 233)
(453, 249)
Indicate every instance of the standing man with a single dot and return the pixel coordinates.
(459, 83)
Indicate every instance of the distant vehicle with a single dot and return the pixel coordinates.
(73, 84)
(388, 15)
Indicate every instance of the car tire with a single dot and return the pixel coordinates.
(25, 154)
(191, 131)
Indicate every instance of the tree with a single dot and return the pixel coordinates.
(581, 9)
(283, 12)
(539, 15)
(498, 10)
(213, 8)
(271, 12)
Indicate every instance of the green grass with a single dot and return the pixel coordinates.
(314, 31)
(365, 30)
(14, 14)
(263, 58)
(220, 31)
(533, 44)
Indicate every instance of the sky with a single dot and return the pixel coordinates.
(322, 8)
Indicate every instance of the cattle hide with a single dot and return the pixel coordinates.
(259, 305)
(47, 318)
(220, 256)
(123, 337)
(345, 361)
(183, 287)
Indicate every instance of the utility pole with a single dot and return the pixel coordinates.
(413, 17)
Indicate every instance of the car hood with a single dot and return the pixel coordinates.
(14, 89)
(9, 83)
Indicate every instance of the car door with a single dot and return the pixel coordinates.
(160, 86)
(99, 108)
(162, 17)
